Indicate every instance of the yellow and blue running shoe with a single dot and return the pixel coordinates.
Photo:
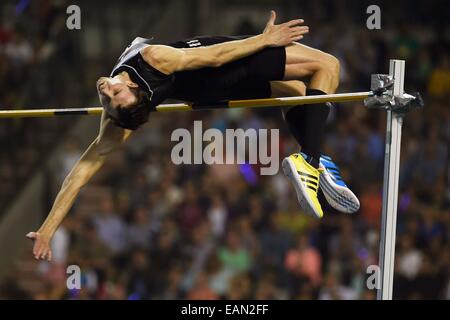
(338, 195)
(305, 179)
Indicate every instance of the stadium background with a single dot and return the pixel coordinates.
(147, 229)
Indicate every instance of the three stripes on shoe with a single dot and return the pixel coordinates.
(339, 198)
(311, 181)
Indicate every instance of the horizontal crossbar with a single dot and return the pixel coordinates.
(231, 104)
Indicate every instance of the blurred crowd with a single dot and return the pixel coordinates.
(145, 228)
(36, 62)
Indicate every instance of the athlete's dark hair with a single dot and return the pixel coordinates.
(132, 117)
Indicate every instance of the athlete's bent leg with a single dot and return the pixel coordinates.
(321, 68)
(307, 124)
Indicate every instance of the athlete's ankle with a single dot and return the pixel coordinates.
(311, 159)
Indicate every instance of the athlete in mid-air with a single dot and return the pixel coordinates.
(209, 69)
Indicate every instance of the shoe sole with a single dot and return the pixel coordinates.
(340, 198)
(290, 171)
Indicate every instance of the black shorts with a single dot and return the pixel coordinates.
(246, 78)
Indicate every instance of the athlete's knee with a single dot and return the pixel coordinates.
(334, 65)
(330, 64)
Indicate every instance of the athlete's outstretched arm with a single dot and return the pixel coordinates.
(169, 60)
(109, 139)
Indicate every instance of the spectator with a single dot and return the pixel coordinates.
(201, 290)
(332, 290)
(140, 230)
(304, 261)
(234, 256)
(110, 226)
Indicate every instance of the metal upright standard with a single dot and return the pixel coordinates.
(389, 95)
(390, 186)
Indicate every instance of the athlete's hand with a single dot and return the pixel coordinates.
(283, 34)
(41, 246)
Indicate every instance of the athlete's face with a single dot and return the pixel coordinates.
(115, 93)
